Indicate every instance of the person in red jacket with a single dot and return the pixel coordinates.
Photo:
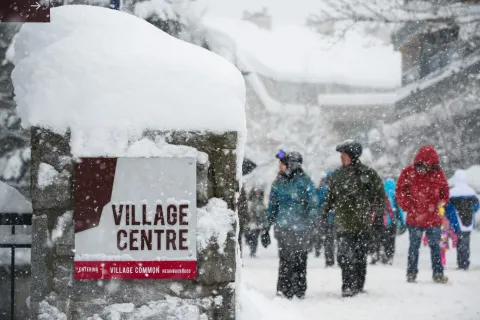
(421, 190)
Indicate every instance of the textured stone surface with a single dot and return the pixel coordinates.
(202, 183)
(52, 266)
(225, 184)
(63, 277)
(215, 267)
(65, 244)
(41, 280)
(217, 302)
(52, 149)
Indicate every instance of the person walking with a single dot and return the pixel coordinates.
(380, 241)
(460, 211)
(292, 208)
(242, 205)
(421, 191)
(256, 216)
(355, 192)
(395, 220)
(242, 210)
(327, 232)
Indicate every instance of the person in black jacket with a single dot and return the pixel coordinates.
(461, 209)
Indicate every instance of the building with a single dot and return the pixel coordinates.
(292, 69)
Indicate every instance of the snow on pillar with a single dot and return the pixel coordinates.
(111, 99)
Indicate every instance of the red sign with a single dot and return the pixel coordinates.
(135, 218)
(96, 270)
(24, 11)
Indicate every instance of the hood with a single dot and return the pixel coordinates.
(460, 185)
(427, 154)
(390, 187)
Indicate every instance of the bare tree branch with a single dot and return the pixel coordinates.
(357, 10)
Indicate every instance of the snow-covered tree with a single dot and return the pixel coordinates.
(438, 104)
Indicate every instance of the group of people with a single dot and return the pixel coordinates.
(356, 213)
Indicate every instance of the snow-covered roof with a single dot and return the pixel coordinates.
(94, 68)
(358, 99)
(281, 12)
(12, 201)
(297, 54)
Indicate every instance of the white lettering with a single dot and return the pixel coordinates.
(147, 270)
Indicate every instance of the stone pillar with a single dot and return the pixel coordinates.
(210, 296)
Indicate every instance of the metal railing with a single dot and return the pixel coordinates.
(14, 219)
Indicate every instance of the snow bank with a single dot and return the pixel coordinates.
(170, 308)
(48, 312)
(255, 305)
(89, 144)
(214, 222)
(13, 201)
(114, 75)
(62, 222)
(297, 54)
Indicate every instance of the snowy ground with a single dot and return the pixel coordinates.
(389, 295)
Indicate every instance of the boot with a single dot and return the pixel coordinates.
(411, 278)
(347, 293)
(440, 278)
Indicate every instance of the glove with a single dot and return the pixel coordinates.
(401, 229)
(265, 237)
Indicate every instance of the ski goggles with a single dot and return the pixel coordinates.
(424, 167)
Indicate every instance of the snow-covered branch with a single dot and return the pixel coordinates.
(396, 11)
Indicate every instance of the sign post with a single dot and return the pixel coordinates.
(135, 218)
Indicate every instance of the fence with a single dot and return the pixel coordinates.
(14, 219)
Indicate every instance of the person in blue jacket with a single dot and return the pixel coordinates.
(327, 233)
(460, 211)
(390, 231)
(293, 209)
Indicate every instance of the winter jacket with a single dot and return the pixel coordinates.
(389, 187)
(389, 214)
(354, 193)
(420, 193)
(293, 203)
(322, 195)
(256, 209)
(463, 204)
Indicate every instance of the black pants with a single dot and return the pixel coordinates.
(251, 236)
(329, 244)
(292, 273)
(388, 243)
(316, 243)
(375, 243)
(463, 250)
(352, 259)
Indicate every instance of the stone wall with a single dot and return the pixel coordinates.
(213, 292)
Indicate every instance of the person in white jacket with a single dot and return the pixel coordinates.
(460, 211)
